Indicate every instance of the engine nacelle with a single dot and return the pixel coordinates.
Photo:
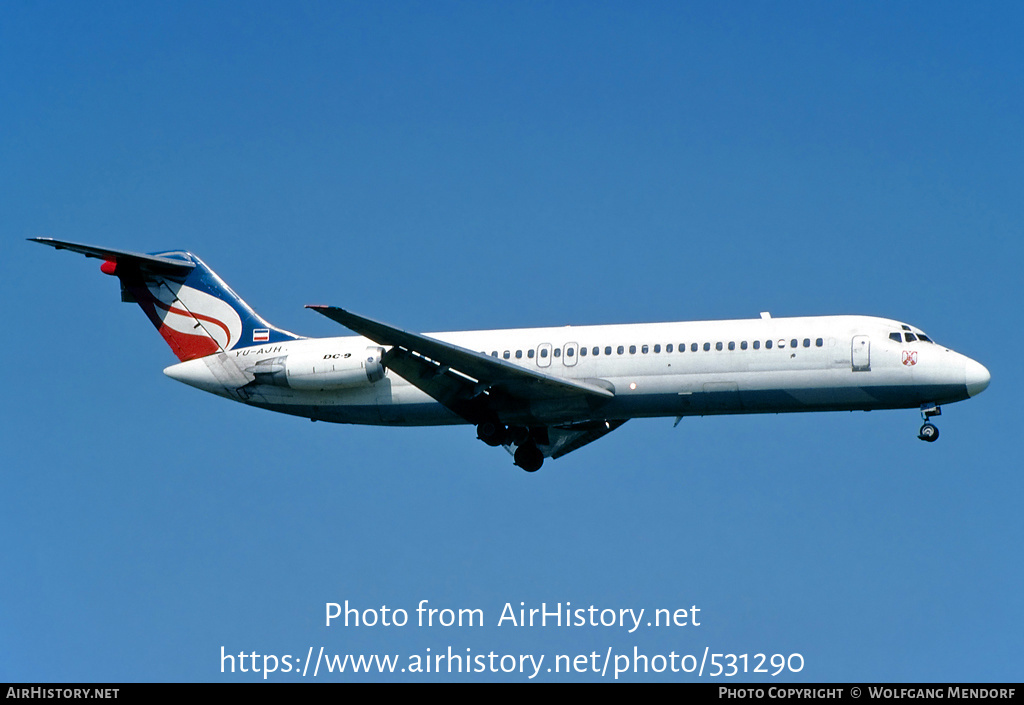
(321, 370)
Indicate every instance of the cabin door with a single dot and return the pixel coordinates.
(861, 353)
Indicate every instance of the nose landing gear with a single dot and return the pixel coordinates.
(929, 432)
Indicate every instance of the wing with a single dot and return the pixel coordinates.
(483, 368)
(561, 414)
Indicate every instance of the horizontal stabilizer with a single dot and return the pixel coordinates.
(152, 263)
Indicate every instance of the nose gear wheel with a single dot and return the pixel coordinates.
(929, 432)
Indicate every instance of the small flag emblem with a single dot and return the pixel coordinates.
(261, 335)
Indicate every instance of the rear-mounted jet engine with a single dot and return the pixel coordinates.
(314, 371)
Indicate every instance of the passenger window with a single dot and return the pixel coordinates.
(644, 349)
(732, 345)
(718, 346)
(620, 350)
(793, 343)
(743, 345)
(596, 351)
(632, 350)
(506, 354)
(668, 348)
(569, 352)
(693, 347)
(807, 342)
(657, 348)
(768, 345)
(519, 354)
(557, 352)
(608, 350)
(707, 346)
(819, 342)
(494, 353)
(529, 354)
(757, 345)
(583, 352)
(544, 352)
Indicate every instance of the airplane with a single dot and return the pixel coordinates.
(539, 392)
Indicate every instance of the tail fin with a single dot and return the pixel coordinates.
(194, 310)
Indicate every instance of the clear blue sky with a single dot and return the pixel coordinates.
(477, 165)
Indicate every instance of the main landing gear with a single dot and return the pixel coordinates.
(929, 432)
(527, 455)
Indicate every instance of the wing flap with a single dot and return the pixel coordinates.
(561, 439)
(566, 439)
(446, 387)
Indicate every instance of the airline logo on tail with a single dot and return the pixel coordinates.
(201, 315)
(193, 323)
(192, 308)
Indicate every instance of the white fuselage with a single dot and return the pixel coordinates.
(654, 369)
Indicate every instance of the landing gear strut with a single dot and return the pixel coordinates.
(928, 431)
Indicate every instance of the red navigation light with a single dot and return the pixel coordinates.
(109, 267)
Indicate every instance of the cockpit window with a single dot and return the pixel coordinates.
(896, 337)
(925, 338)
(910, 337)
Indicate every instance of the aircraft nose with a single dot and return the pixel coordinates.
(976, 377)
